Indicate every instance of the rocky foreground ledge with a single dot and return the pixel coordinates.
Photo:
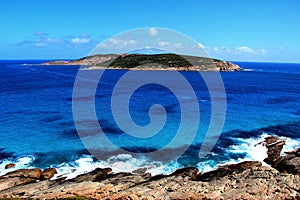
(245, 180)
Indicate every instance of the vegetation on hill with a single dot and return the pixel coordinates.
(165, 61)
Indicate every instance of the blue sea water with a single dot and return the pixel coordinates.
(37, 127)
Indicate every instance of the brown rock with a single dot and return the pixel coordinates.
(25, 173)
(287, 164)
(242, 166)
(6, 183)
(189, 171)
(274, 146)
(226, 170)
(247, 181)
(48, 173)
(270, 140)
(290, 163)
(94, 176)
(10, 165)
(133, 197)
(140, 170)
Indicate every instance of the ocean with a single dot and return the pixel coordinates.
(37, 127)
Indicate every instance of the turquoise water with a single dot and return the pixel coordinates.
(37, 127)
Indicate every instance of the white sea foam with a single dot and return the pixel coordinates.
(80, 166)
(290, 145)
(206, 166)
(252, 147)
(20, 162)
(256, 151)
(86, 163)
(248, 70)
(118, 163)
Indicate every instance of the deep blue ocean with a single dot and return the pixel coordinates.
(37, 127)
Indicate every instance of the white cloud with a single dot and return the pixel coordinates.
(261, 51)
(244, 50)
(131, 42)
(122, 42)
(201, 45)
(113, 40)
(178, 45)
(153, 31)
(163, 43)
(42, 39)
(236, 50)
(40, 44)
(80, 40)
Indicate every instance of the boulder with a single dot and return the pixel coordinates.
(94, 176)
(290, 163)
(19, 177)
(25, 173)
(241, 166)
(10, 165)
(48, 173)
(186, 172)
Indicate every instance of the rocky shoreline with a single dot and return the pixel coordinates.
(245, 180)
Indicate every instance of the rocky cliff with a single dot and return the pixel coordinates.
(151, 62)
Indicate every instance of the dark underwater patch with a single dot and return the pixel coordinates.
(52, 118)
(66, 123)
(297, 112)
(14, 112)
(70, 133)
(137, 149)
(291, 130)
(24, 112)
(85, 98)
(43, 160)
(90, 128)
(109, 128)
(5, 154)
(280, 100)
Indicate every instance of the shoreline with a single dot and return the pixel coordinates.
(184, 69)
(247, 180)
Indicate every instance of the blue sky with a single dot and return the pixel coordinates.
(231, 30)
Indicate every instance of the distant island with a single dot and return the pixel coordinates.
(150, 62)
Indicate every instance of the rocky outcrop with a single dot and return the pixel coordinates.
(19, 177)
(48, 173)
(94, 176)
(10, 165)
(248, 180)
(227, 66)
(274, 146)
(226, 170)
(245, 180)
(290, 163)
(25, 173)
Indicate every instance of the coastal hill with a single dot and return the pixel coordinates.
(151, 62)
